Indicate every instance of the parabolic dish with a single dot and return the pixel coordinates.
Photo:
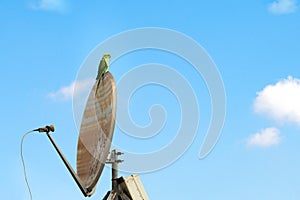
(96, 131)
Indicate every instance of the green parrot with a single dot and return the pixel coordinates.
(102, 68)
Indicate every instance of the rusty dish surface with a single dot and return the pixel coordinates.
(96, 131)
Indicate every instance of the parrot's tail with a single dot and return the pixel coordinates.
(99, 81)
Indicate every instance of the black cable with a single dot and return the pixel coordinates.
(23, 163)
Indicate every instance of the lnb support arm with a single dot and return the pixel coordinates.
(69, 167)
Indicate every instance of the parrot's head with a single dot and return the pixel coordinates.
(106, 58)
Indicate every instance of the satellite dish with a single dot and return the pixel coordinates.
(96, 132)
(95, 136)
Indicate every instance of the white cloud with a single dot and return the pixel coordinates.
(280, 7)
(265, 138)
(76, 88)
(280, 102)
(50, 5)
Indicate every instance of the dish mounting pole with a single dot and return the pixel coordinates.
(114, 161)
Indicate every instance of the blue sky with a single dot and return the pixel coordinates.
(255, 45)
